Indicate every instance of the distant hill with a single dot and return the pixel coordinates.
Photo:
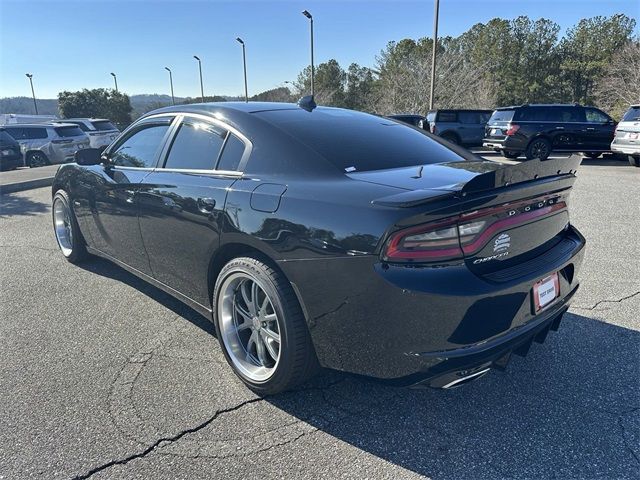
(140, 103)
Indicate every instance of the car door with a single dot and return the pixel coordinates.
(471, 130)
(113, 189)
(563, 123)
(598, 130)
(182, 202)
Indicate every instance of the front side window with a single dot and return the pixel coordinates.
(232, 154)
(595, 116)
(196, 146)
(140, 149)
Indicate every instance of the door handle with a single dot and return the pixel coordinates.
(559, 128)
(590, 129)
(206, 205)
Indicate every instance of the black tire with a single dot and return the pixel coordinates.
(593, 155)
(298, 360)
(634, 161)
(510, 154)
(450, 137)
(78, 249)
(36, 159)
(538, 148)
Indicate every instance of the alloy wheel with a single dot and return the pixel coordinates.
(63, 226)
(539, 149)
(37, 160)
(249, 327)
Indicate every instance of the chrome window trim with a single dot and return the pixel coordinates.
(248, 146)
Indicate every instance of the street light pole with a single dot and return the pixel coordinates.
(33, 93)
(201, 85)
(173, 100)
(433, 57)
(310, 17)
(115, 80)
(244, 64)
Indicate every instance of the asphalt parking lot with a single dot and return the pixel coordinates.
(104, 376)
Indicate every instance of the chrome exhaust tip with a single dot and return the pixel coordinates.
(458, 382)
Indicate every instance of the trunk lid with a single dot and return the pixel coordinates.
(504, 214)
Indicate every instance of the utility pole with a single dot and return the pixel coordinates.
(33, 93)
(115, 80)
(173, 100)
(435, 45)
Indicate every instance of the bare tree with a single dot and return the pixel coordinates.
(619, 87)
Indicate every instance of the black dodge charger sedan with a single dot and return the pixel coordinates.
(327, 237)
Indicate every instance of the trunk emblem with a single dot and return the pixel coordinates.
(502, 243)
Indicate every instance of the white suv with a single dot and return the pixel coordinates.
(100, 130)
(627, 139)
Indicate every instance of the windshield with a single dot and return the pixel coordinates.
(356, 142)
(501, 116)
(632, 114)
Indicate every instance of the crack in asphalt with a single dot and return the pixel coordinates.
(624, 431)
(595, 305)
(165, 440)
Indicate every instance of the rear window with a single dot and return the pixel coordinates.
(354, 141)
(69, 131)
(501, 116)
(103, 125)
(632, 114)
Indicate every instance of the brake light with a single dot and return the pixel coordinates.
(433, 129)
(61, 141)
(513, 128)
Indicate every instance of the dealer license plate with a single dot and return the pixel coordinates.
(546, 291)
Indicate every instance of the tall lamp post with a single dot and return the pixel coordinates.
(201, 85)
(310, 17)
(244, 64)
(433, 57)
(115, 80)
(173, 100)
(33, 93)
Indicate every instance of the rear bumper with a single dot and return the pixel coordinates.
(411, 325)
(627, 149)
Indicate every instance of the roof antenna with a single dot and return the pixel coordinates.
(307, 103)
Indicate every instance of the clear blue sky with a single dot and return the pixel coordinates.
(69, 45)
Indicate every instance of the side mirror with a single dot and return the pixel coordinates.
(88, 156)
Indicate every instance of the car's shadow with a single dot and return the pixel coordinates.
(569, 410)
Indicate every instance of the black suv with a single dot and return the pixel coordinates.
(538, 130)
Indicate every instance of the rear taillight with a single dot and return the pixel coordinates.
(433, 129)
(61, 141)
(513, 128)
(455, 237)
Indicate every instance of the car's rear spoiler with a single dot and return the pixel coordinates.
(502, 176)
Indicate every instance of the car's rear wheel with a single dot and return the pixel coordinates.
(261, 327)
(539, 148)
(593, 154)
(37, 159)
(511, 154)
(65, 227)
(634, 161)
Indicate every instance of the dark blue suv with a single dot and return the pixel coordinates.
(462, 127)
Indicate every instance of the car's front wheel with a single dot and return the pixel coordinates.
(634, 161)
(538, 148)
(261, 327)
(65, 227)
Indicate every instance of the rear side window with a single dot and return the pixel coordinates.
(17, 133)
(595, 116)
(536, 114)
(502, 116)
(354, 141)
(103, 125)
(27, 133)
(196, 146)
(69, 131)
(469, 117)
(232, 154)
(140, 149)
(447, 117)
(632, 114)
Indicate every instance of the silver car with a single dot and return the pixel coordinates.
(44, 144)
(100, 130)
(627, 139)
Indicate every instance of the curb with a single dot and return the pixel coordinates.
(26, 185)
